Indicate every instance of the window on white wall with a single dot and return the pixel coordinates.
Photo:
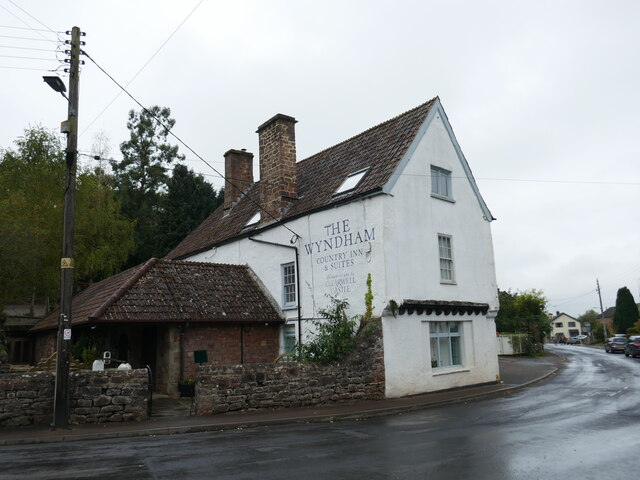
(289, 339)
(288, 285)
(446, 345)
(446, 259)
(441, 182)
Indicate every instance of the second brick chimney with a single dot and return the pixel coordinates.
(238, 172)
(278, 183)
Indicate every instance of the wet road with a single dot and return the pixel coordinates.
(583, 423)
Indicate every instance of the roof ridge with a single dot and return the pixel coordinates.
(371, 128)
(118, 294)
(191, 262)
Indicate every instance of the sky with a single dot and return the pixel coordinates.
(542, 97)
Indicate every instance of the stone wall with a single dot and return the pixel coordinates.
(360, 376)
(94, 397)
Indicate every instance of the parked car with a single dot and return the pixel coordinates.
(632, 348)
(581, 337)
(574, 341)
(615, 344)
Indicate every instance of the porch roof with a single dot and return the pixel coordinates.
(168, 291)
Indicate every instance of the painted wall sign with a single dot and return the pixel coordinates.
(338, 252)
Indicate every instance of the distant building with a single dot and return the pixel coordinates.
(563, 325)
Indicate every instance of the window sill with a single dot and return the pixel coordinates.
(448, 282)
(442, 197)
(449, 371)
(289, 307)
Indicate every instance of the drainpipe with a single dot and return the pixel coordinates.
(241, 344)
(293, 239)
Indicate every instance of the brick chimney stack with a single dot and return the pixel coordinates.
(278, 183)
(238, 169)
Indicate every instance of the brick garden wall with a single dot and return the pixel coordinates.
(94, 397)
(360, 376)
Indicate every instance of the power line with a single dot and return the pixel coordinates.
(30, 48)
(26, 68)
(30, 38)
(33, 18)
(29, 28)
(27, 58)
(141, 68)
(531, 180)
(169, 132)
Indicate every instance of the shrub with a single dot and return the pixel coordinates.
(335, 336)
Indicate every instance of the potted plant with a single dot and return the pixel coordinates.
(187, 387)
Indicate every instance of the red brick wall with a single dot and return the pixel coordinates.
(222, 342)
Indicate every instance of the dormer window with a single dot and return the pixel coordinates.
(253, 220)
(352, 181)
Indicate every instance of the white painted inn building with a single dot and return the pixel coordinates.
(397, 201)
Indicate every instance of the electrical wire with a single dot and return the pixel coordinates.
(29, 28)
(29, 48)
(33, 18)
(169, 132)
(141, 68)
(25, 58)
(30, 38)
(27, 68)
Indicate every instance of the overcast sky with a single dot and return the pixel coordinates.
(542, 96)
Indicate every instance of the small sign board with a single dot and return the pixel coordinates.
(66, 334)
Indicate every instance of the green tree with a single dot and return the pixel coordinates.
(188, 201)
(626, 311)
(104, 237)
(141, 177)
(31, 201)
(523, 312)
(593, 318)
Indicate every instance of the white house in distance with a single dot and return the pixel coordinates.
(397, 201)
(563, 325)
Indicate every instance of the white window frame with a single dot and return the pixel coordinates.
(289, 337)
(288, 276)
(445, 254)
(441, 183)
(436, 345)
(352, 181)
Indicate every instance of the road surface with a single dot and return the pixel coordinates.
(583, 423)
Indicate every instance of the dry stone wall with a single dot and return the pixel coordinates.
(360, 376)
(94, 397)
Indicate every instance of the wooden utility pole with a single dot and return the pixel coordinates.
(601, 311)
(61, 400)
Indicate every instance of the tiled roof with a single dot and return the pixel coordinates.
(160, 291)
(379, 149)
